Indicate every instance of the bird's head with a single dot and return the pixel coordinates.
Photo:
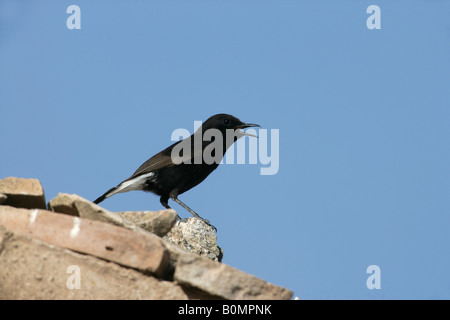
(224, 121)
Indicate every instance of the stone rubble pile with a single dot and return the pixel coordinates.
(75, 249)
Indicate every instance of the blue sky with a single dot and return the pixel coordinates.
(363, 117)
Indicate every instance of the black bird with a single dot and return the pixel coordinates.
(179, 168)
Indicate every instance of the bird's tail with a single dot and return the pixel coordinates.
(134, 183)
(107, 194)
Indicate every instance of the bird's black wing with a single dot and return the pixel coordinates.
(160, 160)
(165, 158)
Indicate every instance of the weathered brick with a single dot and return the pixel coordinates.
(143, 251)
(157, 222)
(75, 205)
(31, 269)
(223, 281)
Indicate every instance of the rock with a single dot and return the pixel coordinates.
(196, 236)
(64, 203)
(22, 193)
(157, 222)
(3, 198)
(34, 270)
(116, 257)
(223, 281)
(75, 205)
(142, 251)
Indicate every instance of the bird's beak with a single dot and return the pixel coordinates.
(246, 125)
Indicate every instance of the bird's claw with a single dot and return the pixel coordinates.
(208, 223)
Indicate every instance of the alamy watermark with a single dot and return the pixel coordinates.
(374, 280)
(263, 147)
(374, 20)
(74, 280)
(74, 20)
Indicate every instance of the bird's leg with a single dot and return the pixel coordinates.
(195, 214)
(181, 203)
(164, 201)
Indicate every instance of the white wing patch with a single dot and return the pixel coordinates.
(134, 184)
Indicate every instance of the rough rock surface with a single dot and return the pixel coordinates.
(158, 222)
(35, 270)
(141, 251)
(75, 205)
(224, 281)
(67, 255)
(23, 193)
(196, 236)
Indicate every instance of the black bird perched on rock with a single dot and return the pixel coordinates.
(184, 164)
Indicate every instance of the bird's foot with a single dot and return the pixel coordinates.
(207, 222)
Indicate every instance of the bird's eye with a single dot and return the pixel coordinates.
(226, 121)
